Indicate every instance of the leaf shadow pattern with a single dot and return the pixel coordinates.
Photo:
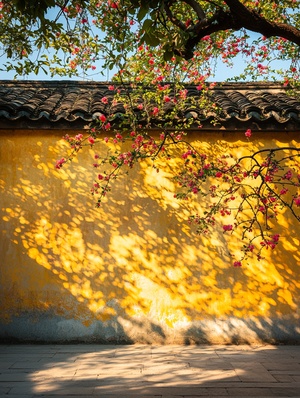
(131, 271)
(148, 370)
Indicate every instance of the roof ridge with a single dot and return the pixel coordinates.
(82, 83)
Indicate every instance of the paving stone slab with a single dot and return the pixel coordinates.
(33, 371)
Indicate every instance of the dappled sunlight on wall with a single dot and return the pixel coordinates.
(132, 270)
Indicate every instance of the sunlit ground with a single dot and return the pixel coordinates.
(88, 370)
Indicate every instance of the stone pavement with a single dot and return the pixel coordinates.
(170, 371)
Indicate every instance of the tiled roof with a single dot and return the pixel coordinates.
(72, 104)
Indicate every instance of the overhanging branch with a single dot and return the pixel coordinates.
(236, 17)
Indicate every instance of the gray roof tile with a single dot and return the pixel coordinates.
(70, 103)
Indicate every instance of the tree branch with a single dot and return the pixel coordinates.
(172, 19)
(197, 8)
(253, 21)
(237, 17)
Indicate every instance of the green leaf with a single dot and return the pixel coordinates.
(142, 12)
(147, 24)
(153, 40)
(168, 54)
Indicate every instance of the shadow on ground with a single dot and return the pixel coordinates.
(148, 371)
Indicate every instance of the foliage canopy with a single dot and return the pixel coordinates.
(68, 37)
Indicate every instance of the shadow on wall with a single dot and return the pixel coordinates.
(131, 271)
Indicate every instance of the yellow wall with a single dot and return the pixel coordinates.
(131, 270)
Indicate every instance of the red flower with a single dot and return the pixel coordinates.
(155, 111)
(112, 4)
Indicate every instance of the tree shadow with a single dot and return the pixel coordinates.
(133, 270)
(144, 370)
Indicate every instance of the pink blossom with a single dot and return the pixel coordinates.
(250, 248)
(104, 100)
(186, 154)
(227, 227)
(248, 133)
(288, 175)
(237, 264)
(91, 140)
(102, 118)
(59, 163)
(275, 238)
(78, 137)
(268, 178)
(297, 201)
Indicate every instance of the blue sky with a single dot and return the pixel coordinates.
(223, 72)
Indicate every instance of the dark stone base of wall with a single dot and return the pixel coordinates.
(44, 329)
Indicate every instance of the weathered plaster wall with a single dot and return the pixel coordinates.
(131, 271)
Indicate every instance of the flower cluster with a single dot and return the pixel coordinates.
(241, 197)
